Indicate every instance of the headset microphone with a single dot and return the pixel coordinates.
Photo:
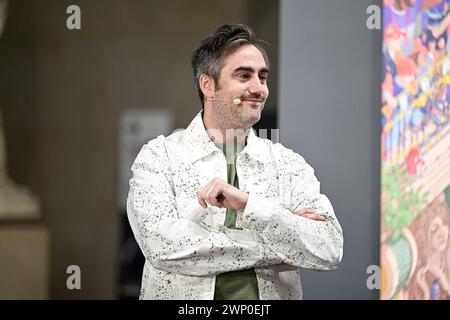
(236, 101)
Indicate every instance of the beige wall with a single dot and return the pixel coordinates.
(62, 92)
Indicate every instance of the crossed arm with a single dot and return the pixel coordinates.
(220, 194)
(271, 234)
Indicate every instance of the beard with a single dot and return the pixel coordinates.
(231, 116)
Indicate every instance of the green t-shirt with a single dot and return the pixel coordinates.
(241, 284)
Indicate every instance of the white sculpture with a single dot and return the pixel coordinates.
(15, 202)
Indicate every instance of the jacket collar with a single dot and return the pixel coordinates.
(200, 145)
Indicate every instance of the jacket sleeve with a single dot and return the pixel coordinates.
(298, 241)
(184, 245)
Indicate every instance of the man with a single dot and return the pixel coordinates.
(218, 212)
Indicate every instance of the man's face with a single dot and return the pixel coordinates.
(243, 76)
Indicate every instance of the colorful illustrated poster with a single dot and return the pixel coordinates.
(415, 150)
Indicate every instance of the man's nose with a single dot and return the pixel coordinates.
(258, 87)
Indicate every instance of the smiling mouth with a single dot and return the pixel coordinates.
(253, 101)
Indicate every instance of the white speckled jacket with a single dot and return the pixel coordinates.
(186, 246)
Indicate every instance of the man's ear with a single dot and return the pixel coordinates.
(207, 85)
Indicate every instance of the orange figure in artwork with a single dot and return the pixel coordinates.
(414, 161)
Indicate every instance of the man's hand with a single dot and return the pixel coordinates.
(310, 214)
(220, 194)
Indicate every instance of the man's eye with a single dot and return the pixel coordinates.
(263, 78)
(244, 76)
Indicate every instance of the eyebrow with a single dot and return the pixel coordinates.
(249, 69)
